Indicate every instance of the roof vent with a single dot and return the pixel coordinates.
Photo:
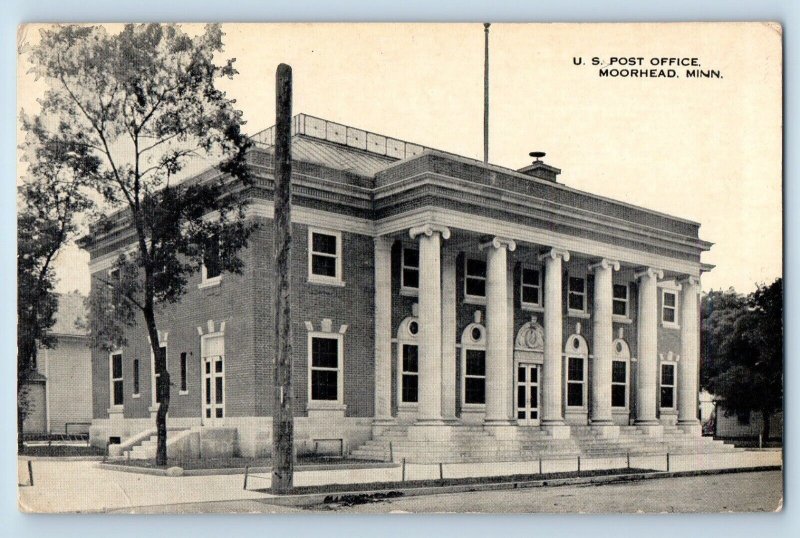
(539, 169)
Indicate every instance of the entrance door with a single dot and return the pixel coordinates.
(528, 394)
(213, 388)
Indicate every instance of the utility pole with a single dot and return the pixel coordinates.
(486, 92)
(282, 420)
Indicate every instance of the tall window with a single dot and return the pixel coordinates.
(667, 385)
(410, 271)
(669, 308)
(324, 257)
(156, 376)
(475, 377)
(576, 378)
(475, 278)
(211, 263)
(325, 366)
(621, 300)
(117, 395)
(531, 287)
(409, 391)
(184, 387)
(619, 384)
(576, 295)
(136, 377)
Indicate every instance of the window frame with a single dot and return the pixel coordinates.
(205, 280)
(112, 380)
(670, 324)
(183, 374)
(568, 381)
(469, 298)
(673, 387)
(406, 338)
(469, 343)
(137, 383)
(313, 278)
(627, 315)
(153, 376)
(625, 384)
(312, 403)
(402, 373)
(204, 392)
(536, 307)
(585, 294)
(405, 289)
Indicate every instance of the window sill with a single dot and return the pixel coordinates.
(183, 392)
(136, 396)
(210, 283)
(474, 299)
(620, 411)
(578, 314)
(473, 407)
(667, 411)
(409, 292)
(622, 319)
(325, 281)
(153, 408)
(532, 307)
(325, 406)
(115, 410)
(670, 325)
(407, 406)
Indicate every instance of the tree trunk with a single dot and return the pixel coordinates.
(765, 419)
(162, 386)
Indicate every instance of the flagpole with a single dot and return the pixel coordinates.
(486, 93)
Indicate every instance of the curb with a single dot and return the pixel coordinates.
(311, 499)
(240, 470)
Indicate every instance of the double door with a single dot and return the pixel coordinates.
(528, 394)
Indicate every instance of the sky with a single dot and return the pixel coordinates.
(704, 149)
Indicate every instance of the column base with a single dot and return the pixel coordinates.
(607, 430)
(653, 428)
(692, 427)
(501, 429)
(430, 430)
(557, 429)
(380, 424)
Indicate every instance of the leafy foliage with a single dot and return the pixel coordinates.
(145, 105)
(742, 348)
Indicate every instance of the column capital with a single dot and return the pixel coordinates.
(429, 229)
(555, 253)
(649, 272)
(499, 242)
(383, 242)
(689, 280)
(605, 263)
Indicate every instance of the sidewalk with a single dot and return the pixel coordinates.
(81, 486)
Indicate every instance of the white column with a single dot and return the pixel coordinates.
(430, 320)
(383, 329)
(647, 348)
(449, 336)
(602, 341)
(498, 325)
(552, 409)
(688, 365)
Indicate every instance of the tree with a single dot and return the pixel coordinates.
(742, 347)
(50, 201)
(146, 104)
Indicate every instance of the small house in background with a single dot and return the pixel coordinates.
(60, 391)
(732, 425)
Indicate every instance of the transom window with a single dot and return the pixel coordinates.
(410, 269)
(576, 379)
(409, 390)
(475, 278)
(669, 307)
(576, 295)
(117, 394)
(475, 376)
(667, 385)
(619, 382)
(324, 256)
(531, 287)
(325, 366)
(621, 300)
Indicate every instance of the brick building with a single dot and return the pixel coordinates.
(435, 299)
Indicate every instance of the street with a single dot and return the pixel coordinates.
(736, 492)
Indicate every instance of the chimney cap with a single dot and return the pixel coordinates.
(537, 154)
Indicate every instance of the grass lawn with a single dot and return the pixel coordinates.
(230, 463)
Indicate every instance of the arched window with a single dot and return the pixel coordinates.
(576, 356)
(620, 374)
(408, 361)
(473, 363)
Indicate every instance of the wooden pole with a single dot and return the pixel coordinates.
(282, 420)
